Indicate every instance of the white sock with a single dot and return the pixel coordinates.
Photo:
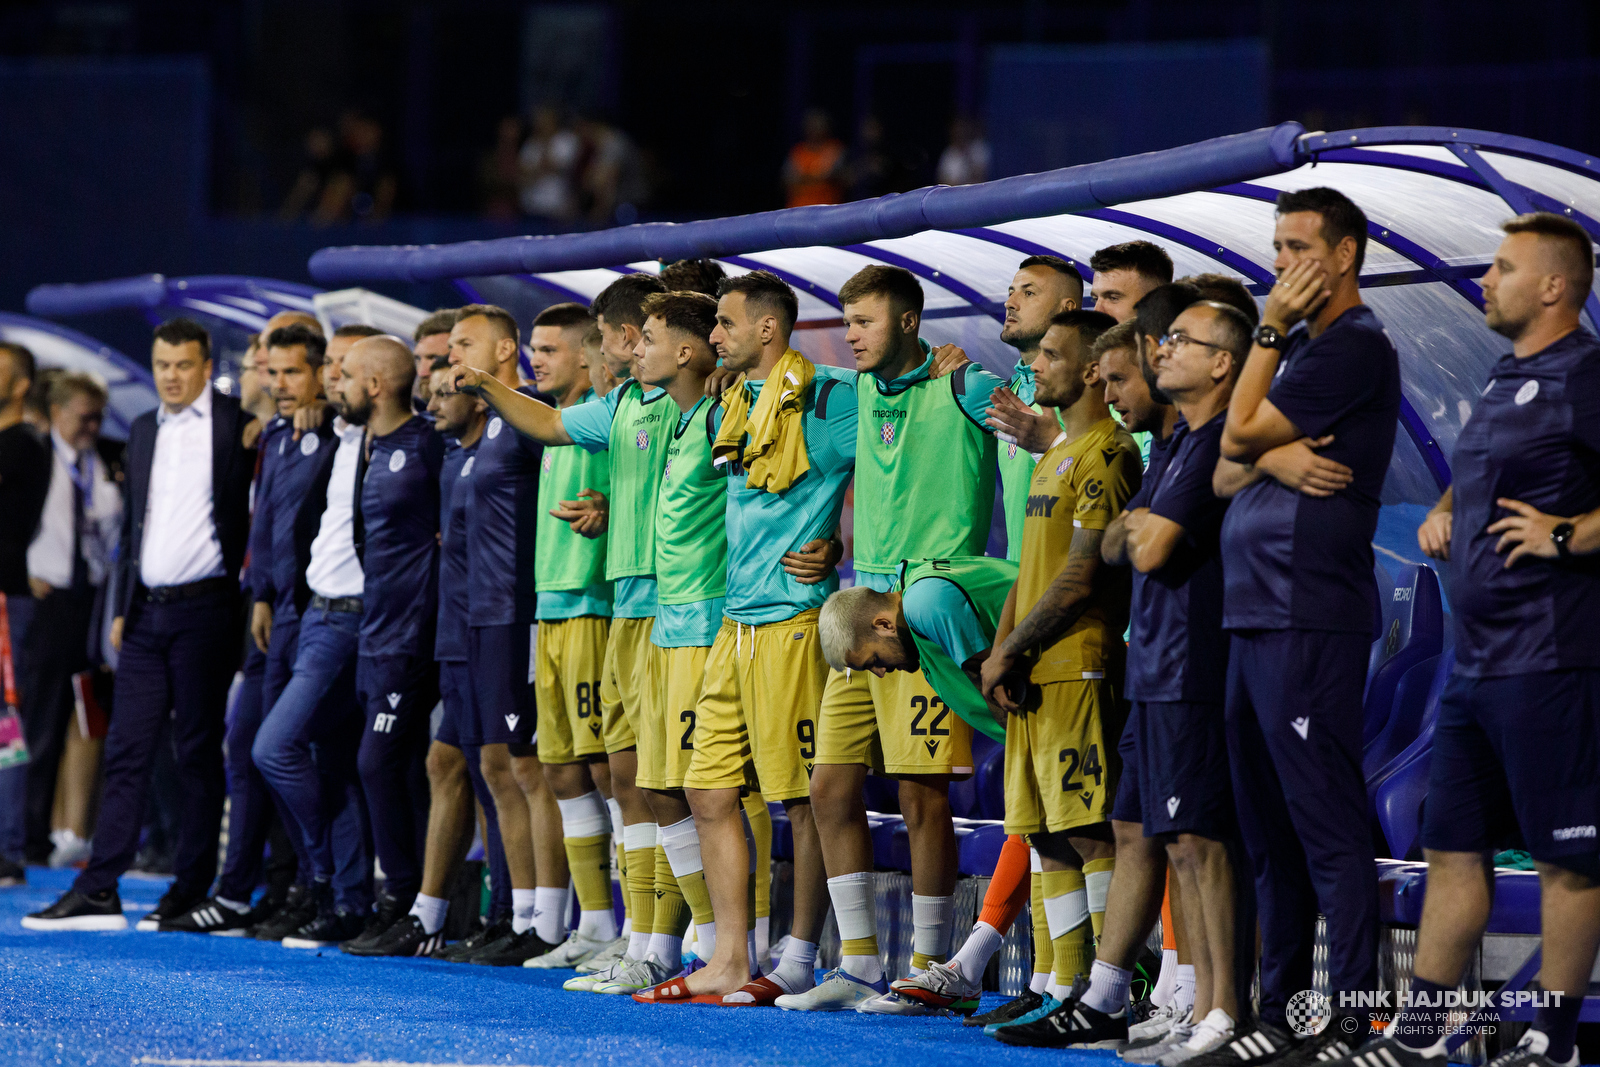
(705, 940)
(1039, 982)
(524, 902)
(930, 924)
(973, 957)
(600, 925)
(682, 845)
(853, 911)
(796, 971)
(584, 816)
(664, 947)
(764, 941)
(431, 911)
(614, 809)
(1161, 995)
(549, 913)
(1183, 986)
(1097, 884)
(1108, 987)
(627, 927)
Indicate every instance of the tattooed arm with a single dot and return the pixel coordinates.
(1066, 598)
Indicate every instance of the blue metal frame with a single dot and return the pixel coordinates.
(981, 304)
(150, 293)
(137, 375)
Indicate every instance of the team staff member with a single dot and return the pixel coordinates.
(1071, 618)
(690, 565)
(899, 723)
(294, 355)
(183, 542)
(1301, 601)
(1518, 746)
(1175, 779)
(785, 433)
(501, 521)
(453, 773)
(396, 685)
(430, 342)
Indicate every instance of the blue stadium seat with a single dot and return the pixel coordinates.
(1413, 630)
(1397, 789)
(964, 794)
(989, 782)
(782, 832)
(882, 794)
(980, 849)
(882, 828)
(1405, 717)
(899, 856)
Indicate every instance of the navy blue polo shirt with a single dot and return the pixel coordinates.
(288, 467)
(399, 555)
(1178, 649)
(450, 645)
(1533, 436)
(1160, 453)
(502, 514)
(1296, 562)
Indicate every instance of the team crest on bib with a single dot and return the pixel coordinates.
(1062, 467)
(642, 440)
(309, 444)
(466, 468)
(397, 461)
(495, 426)
(666, 472)
(545, 463)
(1528, 391)
(1011, 450)
(886, 435)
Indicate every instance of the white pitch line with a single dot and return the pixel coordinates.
(156, 1062)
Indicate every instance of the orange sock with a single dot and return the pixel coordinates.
(1169, 933)
(1008, 888)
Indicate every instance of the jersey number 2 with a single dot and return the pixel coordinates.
(935, 728)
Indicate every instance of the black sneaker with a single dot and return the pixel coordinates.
(79, 911)
(484, 935)
(1073, 1025)
(12, 874)
(389, 911)
(172, 904)
(328, 928)
(299, 907)
(1011, 1009)
(404, 938)
(1530, 1052)
(210, 916)
(270, 904)
(1264, 1044)
(1386, 1052)
(1339, 1040)
(512, 951)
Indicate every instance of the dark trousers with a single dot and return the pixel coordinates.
(14, 780)
(1294, 747)
(306, 749)
(397, 693)
(56, 648)
(252, 806)
(176, 660)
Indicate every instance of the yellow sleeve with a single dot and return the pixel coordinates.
(1107, 479)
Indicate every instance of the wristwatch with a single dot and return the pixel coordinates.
(1269, 337)
(1562, 537)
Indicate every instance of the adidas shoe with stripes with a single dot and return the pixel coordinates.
(210, 916)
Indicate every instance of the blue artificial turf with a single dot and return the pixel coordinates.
(131, 998)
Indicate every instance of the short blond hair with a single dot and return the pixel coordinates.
(845, 622)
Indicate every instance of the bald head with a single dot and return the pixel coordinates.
(386, 359)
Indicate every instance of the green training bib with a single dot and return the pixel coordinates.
(986, 583)
(640, 430)
(561, 558)
(691, 524)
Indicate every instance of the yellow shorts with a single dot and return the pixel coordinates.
(758, 708)
(674, 677)
(623, 692)
(895, 724)
(1062, 766)
(566, 683)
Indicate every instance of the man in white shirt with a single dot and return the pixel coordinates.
(177, 625)
(67, 566)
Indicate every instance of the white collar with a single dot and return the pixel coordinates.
(201, 407)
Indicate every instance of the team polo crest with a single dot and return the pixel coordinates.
(1062, 467)
(495, 426)
(397, 461)
(309, 444)
(1529, 390)
(466, 468)
(886, 435)
(642, 440)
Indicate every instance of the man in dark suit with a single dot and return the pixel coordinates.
(178, 616)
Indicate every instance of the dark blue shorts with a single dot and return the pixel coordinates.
(1185, 786)
(501, 692)
(1517, 753)
(457, 727)
(1129, 805)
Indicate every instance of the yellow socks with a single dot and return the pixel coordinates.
(1097, 883)
(1066, 906)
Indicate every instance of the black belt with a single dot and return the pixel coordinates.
(345, 605)
(172, 594)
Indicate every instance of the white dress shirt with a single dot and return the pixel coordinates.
(335, 569)
(50, 552)
(180, 530)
